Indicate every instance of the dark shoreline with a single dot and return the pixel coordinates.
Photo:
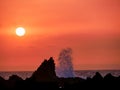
(97, 82)
(45, 78)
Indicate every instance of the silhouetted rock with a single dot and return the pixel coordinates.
(45, 78)
(109, 76)
(1, 79)
(2, 83)
(112, 81)
(15, 78)
(45, 72)
(12, 82)
(97, 76)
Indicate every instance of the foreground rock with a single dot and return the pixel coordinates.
(45, 72)
(44, 78)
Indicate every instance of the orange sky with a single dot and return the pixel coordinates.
(90, 27)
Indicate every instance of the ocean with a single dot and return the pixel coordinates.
(79, 73)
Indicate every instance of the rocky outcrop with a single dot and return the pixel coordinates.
(98, 77)
(45, 72)
(1, 79)
(15, 78)
(45, 78)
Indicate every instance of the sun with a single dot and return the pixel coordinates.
(20, 31)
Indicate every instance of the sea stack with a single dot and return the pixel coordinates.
(45, 72)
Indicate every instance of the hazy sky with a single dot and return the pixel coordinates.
(90, 27)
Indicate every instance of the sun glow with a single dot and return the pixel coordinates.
(20, 31)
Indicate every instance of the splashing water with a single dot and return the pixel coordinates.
(65, 68)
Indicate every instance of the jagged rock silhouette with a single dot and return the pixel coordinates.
(1, 79)
(98, 76)
(15, 78)
(45, 78)
(45, 72)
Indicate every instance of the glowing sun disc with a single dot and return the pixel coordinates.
(20, 31)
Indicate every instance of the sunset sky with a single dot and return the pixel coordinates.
(91, 28)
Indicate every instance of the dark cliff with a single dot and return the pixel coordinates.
(45, 72)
